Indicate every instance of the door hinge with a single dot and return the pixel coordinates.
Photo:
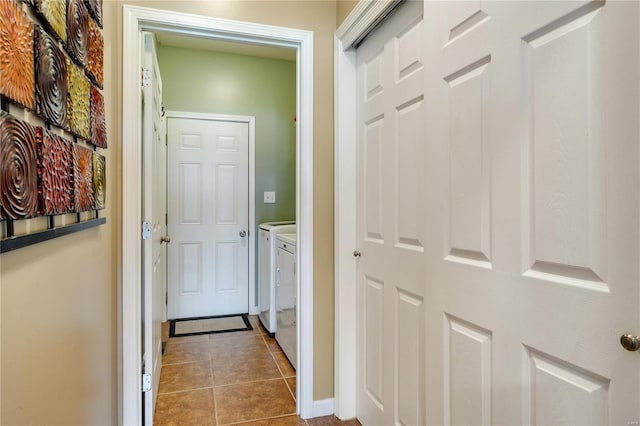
(146, 230)
(146, 382)
(146, 77)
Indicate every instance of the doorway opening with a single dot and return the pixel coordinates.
(135, 21)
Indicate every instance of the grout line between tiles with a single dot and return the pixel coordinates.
(251, 381)
(185, 390)
(261, 419)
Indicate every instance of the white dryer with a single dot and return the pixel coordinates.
(287, 296)
(267, 270)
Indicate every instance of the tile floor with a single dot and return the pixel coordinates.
(229, 378)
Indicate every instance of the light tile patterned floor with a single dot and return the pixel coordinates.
(229, 378)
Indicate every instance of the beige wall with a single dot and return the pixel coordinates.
(59, 311)
(58, 318)
(343, 8)
(319, 17)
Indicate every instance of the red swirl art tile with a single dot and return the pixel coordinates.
(18, 169)
(95, 67)
(98, 122)
(54, 13)
(95, 10)
(83, 178)
(51, 80)
(55, 162)
(99, 181)
(78, 99)
(16, 54)
(77, 31)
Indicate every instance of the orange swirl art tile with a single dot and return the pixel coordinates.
(16, 54)
(83, 178)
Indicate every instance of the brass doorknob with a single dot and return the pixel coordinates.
(630, 342)
(165, 239)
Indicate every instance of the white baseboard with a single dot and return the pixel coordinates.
(323, 407)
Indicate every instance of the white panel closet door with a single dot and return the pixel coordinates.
(391, 231)
(533, 194)
(208, 194)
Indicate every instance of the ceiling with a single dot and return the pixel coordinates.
(190, 42)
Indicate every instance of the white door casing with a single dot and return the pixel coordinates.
(135, 20)
(531, 200)
(154, 209)
(208, 193)
(390, 229)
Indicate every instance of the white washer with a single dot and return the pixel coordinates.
(267, 270)
(286, 296)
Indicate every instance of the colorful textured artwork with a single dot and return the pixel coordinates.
(95, 66)
(77, 31)
(54, 13)
(83, 178)
(18, 169)
(99, 181)
(52, 72)
(55, 166)
(95, 10)
(51, 80)
(98, 122)
(78, 115)
(16, 54)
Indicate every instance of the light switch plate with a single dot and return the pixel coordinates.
(269, 197)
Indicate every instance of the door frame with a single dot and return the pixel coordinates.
(360, 22)
(136, 19)
(254, 309)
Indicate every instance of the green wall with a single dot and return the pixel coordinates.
(224, 83)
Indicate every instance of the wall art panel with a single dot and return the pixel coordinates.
(95, 10)
(55, 173)
(99, 181)
(19, 169)
(16, 54)
(54, 13)
(95, 67)
(83, 178)
(98, 122)
(78, 101)
(77, 31)
(51, 72)
(51, 80)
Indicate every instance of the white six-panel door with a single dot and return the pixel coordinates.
(391, 231)
(518, 202)
(532, 271)
(154, 210)
(208, 208)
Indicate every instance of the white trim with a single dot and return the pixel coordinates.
(136, 19)
(362, 19)
(254, 308)
(323, 407)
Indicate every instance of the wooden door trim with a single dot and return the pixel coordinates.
(136, 19)
(360, 22)
(254, 309)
